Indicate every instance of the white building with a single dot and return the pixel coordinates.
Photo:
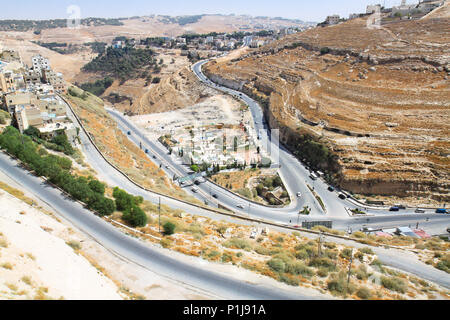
(40, 64)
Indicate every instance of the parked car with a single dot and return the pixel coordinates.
(299, 194)
(441, 210)
(330, 188)
(418, 210)
(129, 133)
(342, 196)
(146, 150)
(253, 234)
(394, 209)
(195, 189)
(448, 229)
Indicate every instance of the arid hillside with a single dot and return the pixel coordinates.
(377, 98)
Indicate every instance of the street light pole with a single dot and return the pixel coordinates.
(159, 215)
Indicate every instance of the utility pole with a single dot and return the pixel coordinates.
(159, 215)
(319, 249)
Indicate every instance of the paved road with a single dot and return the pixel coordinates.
(295, 176)
(198, 276)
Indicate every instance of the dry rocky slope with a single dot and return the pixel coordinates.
(378, 98)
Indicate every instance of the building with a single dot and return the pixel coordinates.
(334, 19)
(55, 79)
(28, 115)
(7, 83)
(373, 8)
(51, 130)
(40, 64)
(426, 6)
(17, 98)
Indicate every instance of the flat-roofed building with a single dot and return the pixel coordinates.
(26, 116)
(334, 19)
(17, 98)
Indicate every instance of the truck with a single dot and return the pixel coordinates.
(441, 210)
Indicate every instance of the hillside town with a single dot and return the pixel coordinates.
(403, 11)
(30, 94)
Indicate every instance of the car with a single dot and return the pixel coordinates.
(195, 189)
(146, 150)
(253, 234)
(215, 196)
(299, 194)
(129, 133)
(240, 206)
(441, 210)
(448, 229)
(394, 209)
(342, 196)
(330, 188)
(167, 167)
(154, 157)
(418, 210)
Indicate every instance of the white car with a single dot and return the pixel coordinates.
(195, 189)
(253, 234)
(299, 194)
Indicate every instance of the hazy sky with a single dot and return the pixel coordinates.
(309, 10)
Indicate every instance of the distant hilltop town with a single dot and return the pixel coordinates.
(403, 11)
(31, 96)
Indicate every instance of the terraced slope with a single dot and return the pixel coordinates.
(377, 98)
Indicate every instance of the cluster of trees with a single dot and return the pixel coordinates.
(97, 47)
(57, 170)
(25, 25)
(129, 205)
(98, 87)
(183, 20)
(58, 143)
(122, 63)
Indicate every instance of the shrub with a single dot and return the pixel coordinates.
(346, 253)
(227, 257)
(276, 265)
(322, 263)
(262, 250)
(169, 228)
(366, 250)
(361, 272)
(288, 280)
(364, 293)
(166, 242)
(394, 284)
(238, 243)
(298, 268)
(322, 272)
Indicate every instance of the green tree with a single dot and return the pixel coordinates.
(169, 228)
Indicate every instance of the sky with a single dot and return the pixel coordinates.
(307, 10)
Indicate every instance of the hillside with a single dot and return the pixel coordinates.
(378, 99)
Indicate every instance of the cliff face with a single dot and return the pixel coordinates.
(377, 98)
